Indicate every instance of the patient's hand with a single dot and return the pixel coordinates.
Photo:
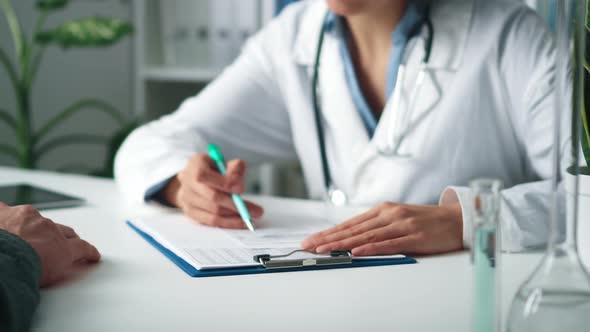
(58, 246)
(392, 228)
(203, 193)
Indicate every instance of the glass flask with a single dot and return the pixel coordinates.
(485, 253)
(556, 297)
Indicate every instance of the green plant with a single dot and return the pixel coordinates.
(585, 112)
(32, 142)
(581, 88)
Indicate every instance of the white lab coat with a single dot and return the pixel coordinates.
(485, 110)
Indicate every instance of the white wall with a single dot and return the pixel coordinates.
(67, 75)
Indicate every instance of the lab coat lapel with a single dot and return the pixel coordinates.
(422, 92)
(346, 135)
(450, 20)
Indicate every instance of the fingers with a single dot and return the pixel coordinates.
(205, 195)
(68, 232)
(236, 171)
(203, 217)
(203, 170)
(373, 213)
(321, 238)
(214, 201)
(374, 235)
(83, 251)
(401, 245)
(362, 230)
(2, 204)
(198, 202)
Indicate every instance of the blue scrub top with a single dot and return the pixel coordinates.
(407, 28)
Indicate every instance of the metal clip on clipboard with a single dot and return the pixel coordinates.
(276, 262)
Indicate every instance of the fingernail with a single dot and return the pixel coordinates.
(306, 244)
(321, 249)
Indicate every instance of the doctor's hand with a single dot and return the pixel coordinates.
(204, 195)
(392, 228)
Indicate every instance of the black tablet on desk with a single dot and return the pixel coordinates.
(25, 194)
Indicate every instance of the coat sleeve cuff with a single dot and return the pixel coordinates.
(141, 187)
(463, 195)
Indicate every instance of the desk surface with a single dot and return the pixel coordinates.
(135, 288)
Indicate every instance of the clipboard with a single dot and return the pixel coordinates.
(273, 264)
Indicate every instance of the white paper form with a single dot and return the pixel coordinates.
(288, 233)
(206, 247)
(279, 232)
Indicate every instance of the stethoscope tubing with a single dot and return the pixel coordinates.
(328, 185)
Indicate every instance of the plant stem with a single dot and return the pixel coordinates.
(35, 52)
(5, 61)
(34, 68)
(24, 150)
(24, 137)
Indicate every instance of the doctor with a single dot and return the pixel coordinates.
(392, 103)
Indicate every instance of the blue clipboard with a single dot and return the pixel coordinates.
(193, 272)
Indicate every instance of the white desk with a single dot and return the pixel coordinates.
(135, 288)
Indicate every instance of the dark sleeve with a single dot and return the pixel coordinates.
(20, 270)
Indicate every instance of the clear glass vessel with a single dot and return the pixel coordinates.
(485, 254)
(556, 297)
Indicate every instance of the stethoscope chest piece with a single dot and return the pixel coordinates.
(337, 197)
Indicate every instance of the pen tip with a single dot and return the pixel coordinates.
(249, 225)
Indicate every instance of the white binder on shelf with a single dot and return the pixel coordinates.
(231, 24)
(247, 21)
(221, 26)
(185, 32)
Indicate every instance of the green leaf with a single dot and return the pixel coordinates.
(69, 140)
(5, 61)
(585, 118)
(16, 30)
(47, 5)
(87, 32)
(585, 111)
(79, 106)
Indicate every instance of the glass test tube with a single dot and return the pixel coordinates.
(484, 254)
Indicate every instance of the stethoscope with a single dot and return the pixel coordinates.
(334, 195)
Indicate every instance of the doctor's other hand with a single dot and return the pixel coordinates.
(204, 195)
(392, 228)
(58, 246)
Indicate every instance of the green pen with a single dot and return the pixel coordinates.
(217, 156)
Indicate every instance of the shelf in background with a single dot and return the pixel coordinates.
(179, 74)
